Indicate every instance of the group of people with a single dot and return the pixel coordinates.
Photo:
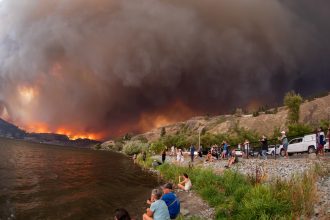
(223, 151)
(163, 203)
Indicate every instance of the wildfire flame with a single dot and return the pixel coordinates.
(71, 134)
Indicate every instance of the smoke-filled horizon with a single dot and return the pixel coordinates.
(110, 67)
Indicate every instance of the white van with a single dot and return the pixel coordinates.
(300, 145)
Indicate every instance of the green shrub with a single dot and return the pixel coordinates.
(141, 138)
(255, 114)
(118, 146)
(324, 124)
(296, 130)
(293, 102)
(157, 147)
(134, 147)
(178, 140)
(260, 202)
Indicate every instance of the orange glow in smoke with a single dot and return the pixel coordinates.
(173, 113)
(253, 105)
(26, 93)
(73, 135)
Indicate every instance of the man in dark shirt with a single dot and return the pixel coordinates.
(264, 147)
(171, 200)
(192, 152)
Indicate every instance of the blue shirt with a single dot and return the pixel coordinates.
(173, 204)
(160, 210)
(225, 146)
(192, 149)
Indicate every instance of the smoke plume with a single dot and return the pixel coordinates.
(109, 67)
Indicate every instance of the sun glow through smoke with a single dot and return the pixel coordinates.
(26, 94)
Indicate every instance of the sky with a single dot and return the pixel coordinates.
(103, 68)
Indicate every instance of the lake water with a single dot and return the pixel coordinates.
(40, 181)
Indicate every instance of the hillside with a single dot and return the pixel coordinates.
(9, 130)
(311, 112)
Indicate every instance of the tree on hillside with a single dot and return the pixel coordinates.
(293, 102)
(238, 112)
(162, 132)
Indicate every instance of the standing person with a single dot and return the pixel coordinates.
(200, 151)
(321, 141)
(172, 151)
(171, 200)
(144, 156)
(246, 147)
(225, 150)
(179, 156)
(264, 147)
(158, 209)
(134, 158)
(285, 144)
(192, 152)
(164, 156)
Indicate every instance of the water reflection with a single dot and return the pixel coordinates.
(50, 182)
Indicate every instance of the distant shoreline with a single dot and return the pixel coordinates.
(55, 143)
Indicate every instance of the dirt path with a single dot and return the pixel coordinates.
(193, 205)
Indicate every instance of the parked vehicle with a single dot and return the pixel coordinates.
(271, 149)
(239, 153)
(255, 151)
(300, 145)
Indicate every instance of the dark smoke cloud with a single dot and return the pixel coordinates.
(99, 65)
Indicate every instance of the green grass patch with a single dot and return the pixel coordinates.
(234, 196)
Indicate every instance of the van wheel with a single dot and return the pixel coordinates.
(311, 149)
(282, 152)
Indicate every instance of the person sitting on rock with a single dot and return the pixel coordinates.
(158, 209)
(171, 200)
(186, 183)
(209, 157)
(233, 159)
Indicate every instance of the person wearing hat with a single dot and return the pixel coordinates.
(158, 209)
(285, 143)
(171, 200)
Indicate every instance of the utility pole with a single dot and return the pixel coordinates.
(199, 137)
